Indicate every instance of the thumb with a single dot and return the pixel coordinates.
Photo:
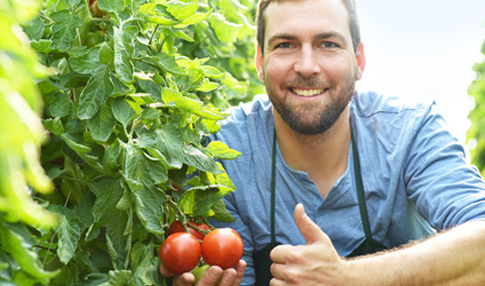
(310, 230)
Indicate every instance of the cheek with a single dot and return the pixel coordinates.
(276, 70)
(337, 71)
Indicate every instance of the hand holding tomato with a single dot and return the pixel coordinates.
(213, 274)
(221, 249)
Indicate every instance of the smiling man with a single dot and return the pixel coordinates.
(340, 187)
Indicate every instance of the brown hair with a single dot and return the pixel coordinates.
(349, 5)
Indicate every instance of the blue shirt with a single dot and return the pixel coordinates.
(415, 175)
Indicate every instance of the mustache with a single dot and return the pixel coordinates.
(308, 82)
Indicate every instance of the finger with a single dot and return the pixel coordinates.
(277, 270)
(184, 279)
(280, 252)
(211, 276)
(310, 230)
(228, 277)
(165, 271)
(240, 269)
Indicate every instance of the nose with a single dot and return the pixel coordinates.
(307, 62)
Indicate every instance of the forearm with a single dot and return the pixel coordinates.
(454, 257)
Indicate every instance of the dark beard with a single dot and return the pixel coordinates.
(327, 117)
(326, 121)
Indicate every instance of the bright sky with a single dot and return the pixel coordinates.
(424, 49)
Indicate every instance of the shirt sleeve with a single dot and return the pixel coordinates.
(446, 189)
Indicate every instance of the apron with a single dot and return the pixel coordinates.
(262, 261)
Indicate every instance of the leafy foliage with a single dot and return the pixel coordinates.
(131, 90)
(21, 134)
(477, 116)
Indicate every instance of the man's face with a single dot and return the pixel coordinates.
(309, 65)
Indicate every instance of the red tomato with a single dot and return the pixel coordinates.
(177, 226)
(222, 247)
(180, 252)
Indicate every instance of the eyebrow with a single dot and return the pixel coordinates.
(321, 36)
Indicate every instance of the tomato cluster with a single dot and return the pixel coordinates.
(182, 250)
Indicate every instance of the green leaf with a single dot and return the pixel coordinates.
(116, 239)
(171, 96)
(168, 64)
(95, 279)
(54, 125)
(42, 46)
(106, 54)
(221, 213)
(220, 150)
(197, 158)
(212, 72)
(82, 150)
(118, 278)
(96, 92)
(110, 159)
(86, 63)
(194, 19)
(123, 50)
(15, 238)
(181, 10)
(148, 206)
(69, 233)
(145, 264)
(64, 28)
(197, 107)
(157, 14)
(178, 34)
(61, 106)
(115, 6)
(169, 141)
(35, 28)
(225, 31)
(199, 201)
(138, 168)
(102, 124)
(207, 86)
(123, 112)
(108, 194)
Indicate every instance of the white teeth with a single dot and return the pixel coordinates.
(307, 92)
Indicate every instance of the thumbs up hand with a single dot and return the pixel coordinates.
(316, 263)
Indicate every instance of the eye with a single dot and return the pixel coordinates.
(284, 45)
(330, 45)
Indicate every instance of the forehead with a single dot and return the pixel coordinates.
(306, 15)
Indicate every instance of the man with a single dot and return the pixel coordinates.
(371, 174)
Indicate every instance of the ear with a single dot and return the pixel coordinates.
(360, 59)
(258, 62)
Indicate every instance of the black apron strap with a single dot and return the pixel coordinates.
(360, 189)
(262, 261)
(369, 245)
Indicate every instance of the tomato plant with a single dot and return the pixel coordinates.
(222, 247)
(180, 252)
(197, 230)
(128, 102)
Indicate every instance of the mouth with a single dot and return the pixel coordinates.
(307, 92)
